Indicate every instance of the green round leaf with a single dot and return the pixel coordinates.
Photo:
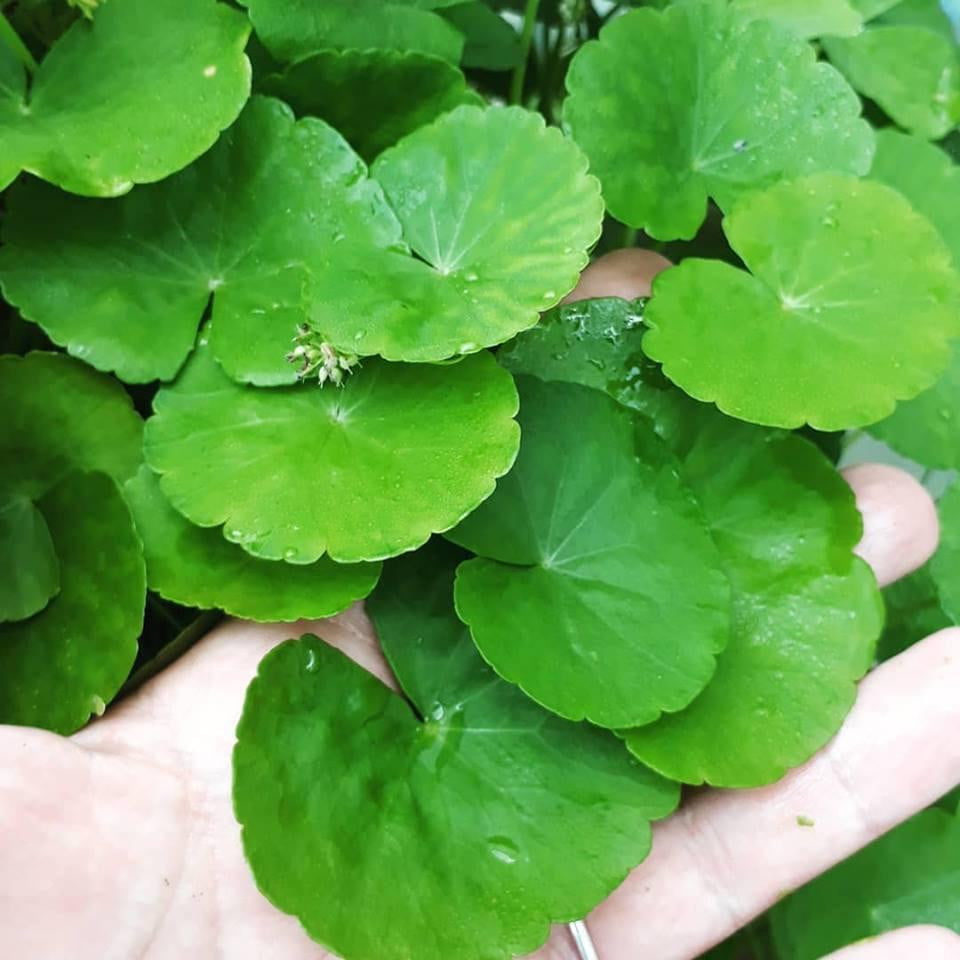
(925, 428)
(490, 43)
(566, 575)
(945, 566)
(697, 101)
(29, 570)
(806, 18)
(909, 65)
(69, 660)
(129, 97)
(494, 250)
(362, 472)
(513, 817)
(907, 877)
(806, 612)
(373, 97)
(196, 567)
(807, 338)
(292, 29)
(124, 283)
(58, 416)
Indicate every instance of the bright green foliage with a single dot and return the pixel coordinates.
(925, 429)
(29, 571)
(807, 337)
(59, 416)
(69, 660)
(124, 284)
(913, 609)
(129, 97)
(806, 18)
(908, 62)
(806, 613)
(197, 567)
(698, 102)
(910, 876)
(528, 819)
(489, 41)
(373, 97)
(499, 210)
(293, 29)
(945, 566)
(595, 565)
(363, 472)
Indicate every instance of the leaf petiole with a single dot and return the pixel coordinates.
(526, 39)
(10, 38)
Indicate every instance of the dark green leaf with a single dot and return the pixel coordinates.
(373, 97)
(910, 876)
(696, 102)
(913, 612)
(197, 567)
(363, 472)
(945, 566)
(512, 817)
(29, 571)
(124, 284)
(58, 416)
(69, 660)
(489, 41)
(595, 565)
(129, 97)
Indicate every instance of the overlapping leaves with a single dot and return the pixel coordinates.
(530, 819)
(700, 102)
(130, 97)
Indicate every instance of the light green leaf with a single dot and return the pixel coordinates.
(59, 416)
(907, 877)
(292, 29)
(195, 566)
(490, 43)
(566, 575)
(925, 428)
(129, 97)
(807, 338)
(500, 211)
(945, 566)
(29, 571)
(373, 97)
(913, 608)
(806, 613)
(806, 18)
(362, 472)
(694, 102)
(514, 818)
(69, 660)
(124, 283)
(908, 64)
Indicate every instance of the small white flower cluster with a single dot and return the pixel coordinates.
(313, 354)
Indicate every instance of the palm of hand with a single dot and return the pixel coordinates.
(121, 842)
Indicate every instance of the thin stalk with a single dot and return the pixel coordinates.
(526, 40)
(11, 39)
(629, 236)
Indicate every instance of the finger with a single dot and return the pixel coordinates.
(729, 855)
(900, 524)
(626, 273)
(908, 943)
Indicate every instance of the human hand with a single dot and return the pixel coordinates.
(120, 842)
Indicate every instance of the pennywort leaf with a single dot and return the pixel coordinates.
(808, 18)
(362, 472)
(29, 570)
(945, 566)
(529, 819)
(806, 336)
(700, 102)
(500, 212)
(130, 96)
(124, 284)
(70, 659)
(598, 564)
(197, 567)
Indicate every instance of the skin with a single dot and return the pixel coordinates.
(120, 842)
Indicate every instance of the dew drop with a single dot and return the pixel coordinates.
(550, 295)
(471, 276)
(360, 334)
(290, 554)
(97, 705)
(503, 849)
(468, 347)
(236, 534)
(311, 661)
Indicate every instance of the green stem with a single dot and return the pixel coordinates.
(629, 236)
(526, 40)
(11, 38)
